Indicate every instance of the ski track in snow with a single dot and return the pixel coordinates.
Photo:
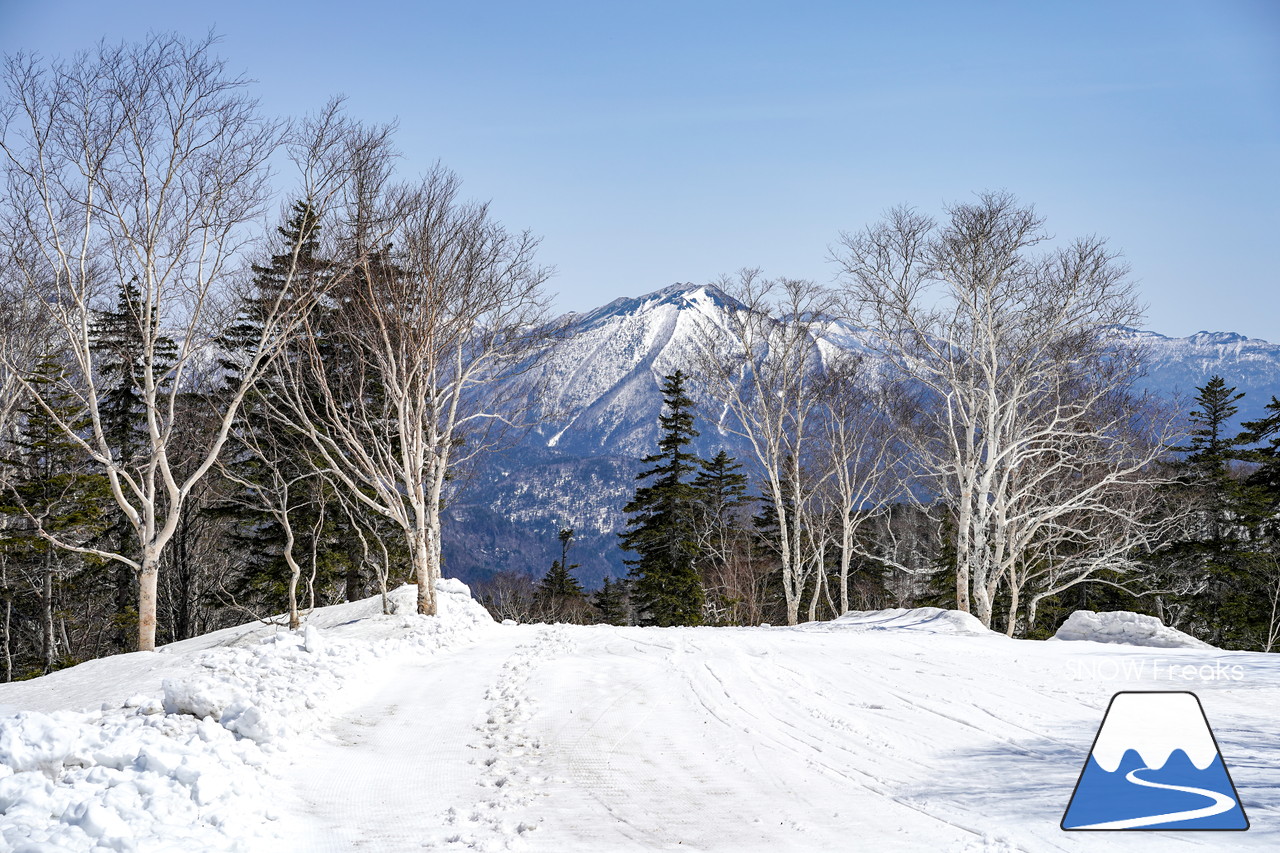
(823, 737)
(570, 738)
(437, 758)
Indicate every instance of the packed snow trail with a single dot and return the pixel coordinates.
(825, 737)
(895, 731)
(362, 784)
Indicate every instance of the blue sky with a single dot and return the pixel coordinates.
(657, 142)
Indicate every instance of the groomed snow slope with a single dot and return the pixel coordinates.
(901, 730)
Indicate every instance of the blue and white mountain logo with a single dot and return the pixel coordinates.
(1155, 765)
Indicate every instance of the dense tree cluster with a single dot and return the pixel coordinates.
(184, 444)
(1219, 577)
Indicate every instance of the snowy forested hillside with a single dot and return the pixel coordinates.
(898, 731)
(576, 467)
(1177, 366)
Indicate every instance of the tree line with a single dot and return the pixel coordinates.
(955, 407)
(955, 422)
(201, 424)
(707, 549)
(191, 439)
(1220, 578)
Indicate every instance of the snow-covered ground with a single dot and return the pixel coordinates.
(896, 730)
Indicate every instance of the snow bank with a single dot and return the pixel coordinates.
(1122, 626)
(185, 770)
(928, 620)
(125, 779)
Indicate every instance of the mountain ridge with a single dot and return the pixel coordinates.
(576, 467)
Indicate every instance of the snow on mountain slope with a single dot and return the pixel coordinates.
(895, 731)
(576, 468)
(603, 376)
(1177, 366)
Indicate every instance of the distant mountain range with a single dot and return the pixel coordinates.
(1177, 366)
(577, 468)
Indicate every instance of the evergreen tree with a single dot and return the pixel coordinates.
(724, 545)
(1222, 567)
(118, 339)
(721, 488)
(938, 589)
(559, 581)
(1262, 505)
(560, 597)
(665, 586)
(1209, 454)
(52, 489)
(256, 534)
(1209, 561)
(319, 528)
(279, 280)
(613, 601)
(119, 336)
(1257, 587)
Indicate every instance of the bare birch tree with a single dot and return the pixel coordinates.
(143, 163)
(1097, 509)
(441, 303)
(1272, 575)
(278, 491)
(765, 372)
(1011, 345)
(863, 454)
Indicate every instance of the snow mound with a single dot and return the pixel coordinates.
(186, 770)
(926, 620)
(1123, 626)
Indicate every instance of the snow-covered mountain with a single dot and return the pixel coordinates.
(577, 467)
(1177, 366)
(601, 381)
(601, 377)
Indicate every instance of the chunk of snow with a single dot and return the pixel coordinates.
(185, 769)
(311, 640)
(1123, 626)
(200, 696)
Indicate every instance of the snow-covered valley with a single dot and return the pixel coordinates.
(908, 730)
